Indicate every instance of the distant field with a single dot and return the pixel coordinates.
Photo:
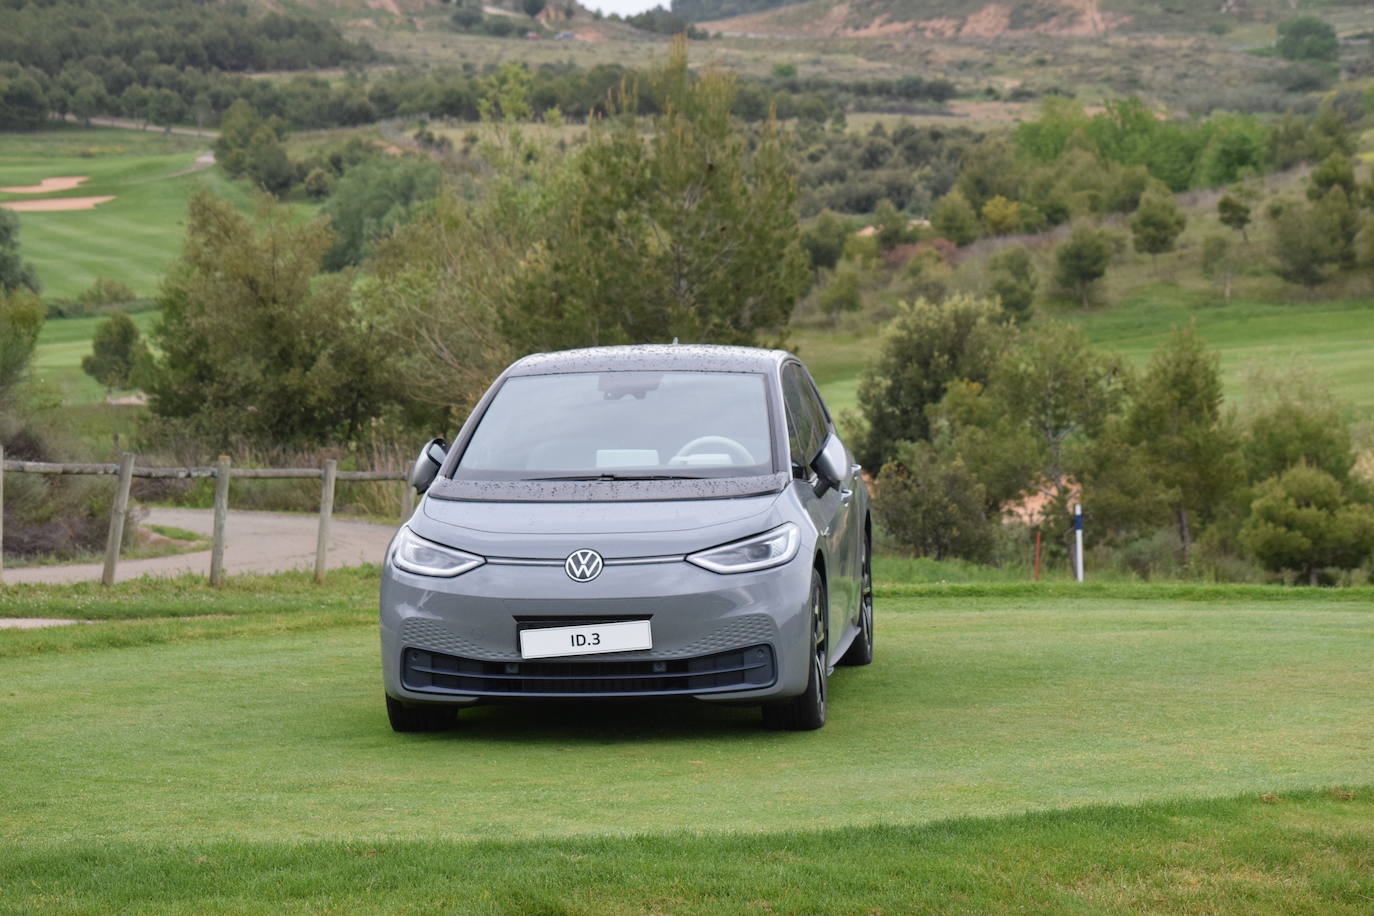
(131, 238)
(1178, 749)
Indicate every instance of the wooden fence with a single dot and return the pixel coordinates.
(125, 471)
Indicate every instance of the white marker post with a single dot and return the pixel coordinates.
(1078, 541)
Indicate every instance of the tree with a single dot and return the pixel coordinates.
(824, 241)
(1057, 389)
(1082, 260)
(532, 8)
(1014, 281)
(673, 228)
(117, 350)
(1303, 521)
(370, 199)
(1305, 243)
(252, 345)
(1175, 421)
(841, 293)
(23, 103)
(955, 219)
(15, 272)
(1308, 38)
(165, 108)
(1234, 213)
(266, 162)
(21, 318)
(931, 504)
(1220, 263)
(1295, 420)
(923, 350)
(1335, 171)
(1158, 222)
(891, 225)
(1001, 216)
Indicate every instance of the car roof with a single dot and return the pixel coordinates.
(653, 358)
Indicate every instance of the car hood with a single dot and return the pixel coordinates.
(615, 529)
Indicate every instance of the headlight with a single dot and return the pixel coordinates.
(772, 548)
(416, 555)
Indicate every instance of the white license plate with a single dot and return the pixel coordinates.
(585, 639)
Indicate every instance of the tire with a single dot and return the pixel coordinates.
(860, 651)
(419, 718)
(806, 711)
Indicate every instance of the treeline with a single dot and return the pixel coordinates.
(983, 430)
(656, 227)
(163, 62)
(52, 34)
(1068, 164)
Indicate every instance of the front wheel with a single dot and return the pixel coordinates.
(405, 718)
(806, 712)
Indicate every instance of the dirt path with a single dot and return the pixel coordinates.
(261, 542)
(135, 125)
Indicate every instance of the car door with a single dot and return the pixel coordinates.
(848, 522)
(808, 429)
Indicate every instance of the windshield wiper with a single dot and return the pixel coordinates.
(620, 477)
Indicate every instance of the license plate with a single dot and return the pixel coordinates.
(585, 639)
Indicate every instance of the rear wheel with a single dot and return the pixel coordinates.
(806, 711)
(860, 651)
(419, 718)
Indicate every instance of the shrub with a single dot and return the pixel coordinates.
(931, 504)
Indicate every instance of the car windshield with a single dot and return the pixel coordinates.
(622, 426)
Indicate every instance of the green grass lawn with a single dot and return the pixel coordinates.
(131, 238)
(1013, 747)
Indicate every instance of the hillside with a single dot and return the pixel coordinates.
(978, 18)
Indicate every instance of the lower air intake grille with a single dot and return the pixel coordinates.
(738, 669)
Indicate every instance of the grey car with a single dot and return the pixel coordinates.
(619, 522)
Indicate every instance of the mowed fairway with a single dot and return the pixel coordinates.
(131, 238)
(236, 758)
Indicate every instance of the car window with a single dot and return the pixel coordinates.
(622, 424)
(806, 418)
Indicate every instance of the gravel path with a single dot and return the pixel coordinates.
(261, 542)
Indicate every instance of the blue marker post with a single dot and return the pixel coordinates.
(1078, 541)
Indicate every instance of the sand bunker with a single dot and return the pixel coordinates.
(53, 204)
(49, 185)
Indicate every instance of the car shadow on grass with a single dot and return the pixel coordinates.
(604, 721)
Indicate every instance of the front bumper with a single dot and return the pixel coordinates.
(456, 640)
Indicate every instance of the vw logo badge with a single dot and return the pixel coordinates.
(583, 565)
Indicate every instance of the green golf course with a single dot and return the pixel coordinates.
(1175, 745)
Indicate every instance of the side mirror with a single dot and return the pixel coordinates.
(832, 464)
(426, 467)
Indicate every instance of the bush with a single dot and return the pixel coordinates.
(105, 292)
(931, 504)
(1303, 521)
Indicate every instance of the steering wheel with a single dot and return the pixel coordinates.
(739, 455)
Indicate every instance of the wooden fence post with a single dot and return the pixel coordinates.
(117, 514)
(331, 468)
(221, 517)
(2, 515)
